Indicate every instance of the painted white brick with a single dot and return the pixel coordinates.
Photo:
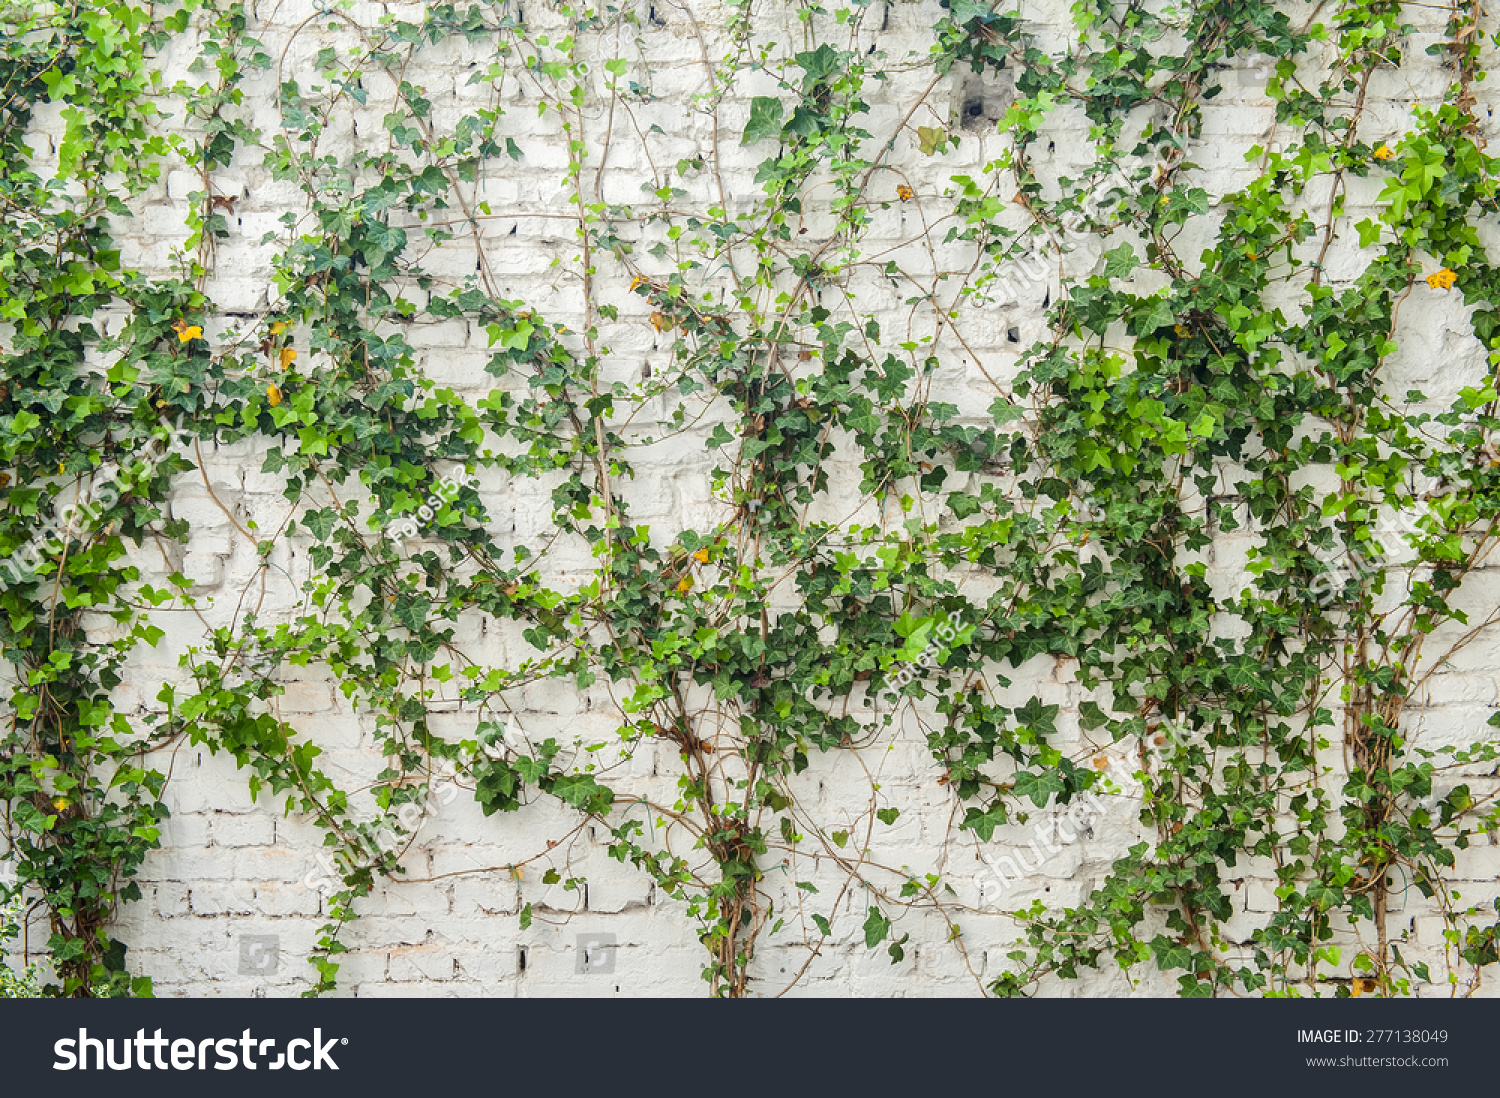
(229, 865)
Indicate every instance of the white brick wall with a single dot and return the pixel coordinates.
(230, 867)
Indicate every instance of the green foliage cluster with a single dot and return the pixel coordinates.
(1175, 400)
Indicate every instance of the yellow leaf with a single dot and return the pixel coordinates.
(273, 394)
(660, 321)
(61, 803)
(1442, 280)
(287, 357)
(186, 332)
(905, 193)
(685, 586)
(515, 872)
(701, 555)
(1180, 330)
(277, 327)
(637, 282)
(1383, 152)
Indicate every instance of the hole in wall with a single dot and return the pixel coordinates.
(980, 100)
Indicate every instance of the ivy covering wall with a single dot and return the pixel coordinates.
(1124, 403)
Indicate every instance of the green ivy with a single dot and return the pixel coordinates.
(1172, 403)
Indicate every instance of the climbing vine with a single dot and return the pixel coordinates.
(1078, 409)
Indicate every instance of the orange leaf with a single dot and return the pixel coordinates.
(1442, 280)
(287, 357)
(660, 321)
(273, 394)
(905, 193)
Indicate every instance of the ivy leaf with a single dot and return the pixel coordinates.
(411, 611)
(1041, 719)
(582, 791)
(765, 119)
(320, 522)
(877, 928)
(1091, 716)
(962, 504)
(931, 139)
(1039, 787)
(1151, 315)
(1170, 955)
(817, 64)
(983, 823)
(1119, 262)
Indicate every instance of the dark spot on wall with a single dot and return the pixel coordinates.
(981, 99)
